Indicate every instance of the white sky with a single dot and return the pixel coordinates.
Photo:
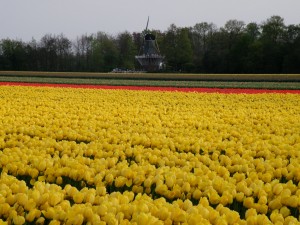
(24, 19)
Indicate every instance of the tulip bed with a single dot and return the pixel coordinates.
(96, 156)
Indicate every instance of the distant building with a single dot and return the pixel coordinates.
(149, 57)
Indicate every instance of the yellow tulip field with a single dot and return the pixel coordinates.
(94, 156)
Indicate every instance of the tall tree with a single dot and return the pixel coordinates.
(184, 51)
(253, 62)
(253, 31)
(291, 63)
(127, 50)
(14, 54)
(273, 45)
(105, 53)
(177, 47)
(64, 51)
(32, 55)
(237, 44)
(48, 52)
(201, 38)
(111, 54)
(83, 52)
(168, 47)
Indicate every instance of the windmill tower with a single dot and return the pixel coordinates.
(149, 57)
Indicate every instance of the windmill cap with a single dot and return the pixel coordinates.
(149, 37)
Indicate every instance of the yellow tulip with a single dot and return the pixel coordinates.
(97, 220)
(120, 217)
(263, 200)
(203, 211)
(186, 187)
(148, 182)
(285, 195)
(177, 215)
(277, 173)
(170, 181)
(22, 187)
(197, 194)
(127, 173)
(239, 196)
(252, 220)
(267, 177)
(4, 209)
(143, 207)
(22, 199)
(284, 211)
(204, 201)
(88, 213)
(35, 195)
(54, 222)
(163, 213)
(276, 217)
(275, 203)
(262, 208)
(248, 202)
(195, 219)
(291, 220)
(137, 189)
(42, 165)
(49, 213)
(18, 220)
(32, 182)
(40, 221)
(101, 190)
(250, 213)
(75, 219)
(41, 178)
(33, 173)
(44, 198)
(78, 197)
(102, 210)
(293, 201)
(232, 217)
(90, 197)
(55, 198)
(277, 189)
(187, 205)
(59, 180)
(31, 204)
(109, 178)
(110, 219)
(142, 218)
(161, 189)
(11, 199)
(3, 222)
(213, 215)
(120, 181)
(31, 215)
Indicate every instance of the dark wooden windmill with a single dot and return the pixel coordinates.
(149, 56)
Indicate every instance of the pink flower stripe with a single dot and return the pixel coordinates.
(155, 88)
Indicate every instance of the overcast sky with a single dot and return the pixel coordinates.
(27, 19)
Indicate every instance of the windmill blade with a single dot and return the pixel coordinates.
(147, 24)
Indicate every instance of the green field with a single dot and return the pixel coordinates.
(260, 81)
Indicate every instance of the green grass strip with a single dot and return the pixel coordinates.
(159, 76)
(160, 83)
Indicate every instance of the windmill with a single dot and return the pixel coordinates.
(149, 56)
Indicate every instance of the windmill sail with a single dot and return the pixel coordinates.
(147, 24)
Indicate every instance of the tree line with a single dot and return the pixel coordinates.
(269, 47)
